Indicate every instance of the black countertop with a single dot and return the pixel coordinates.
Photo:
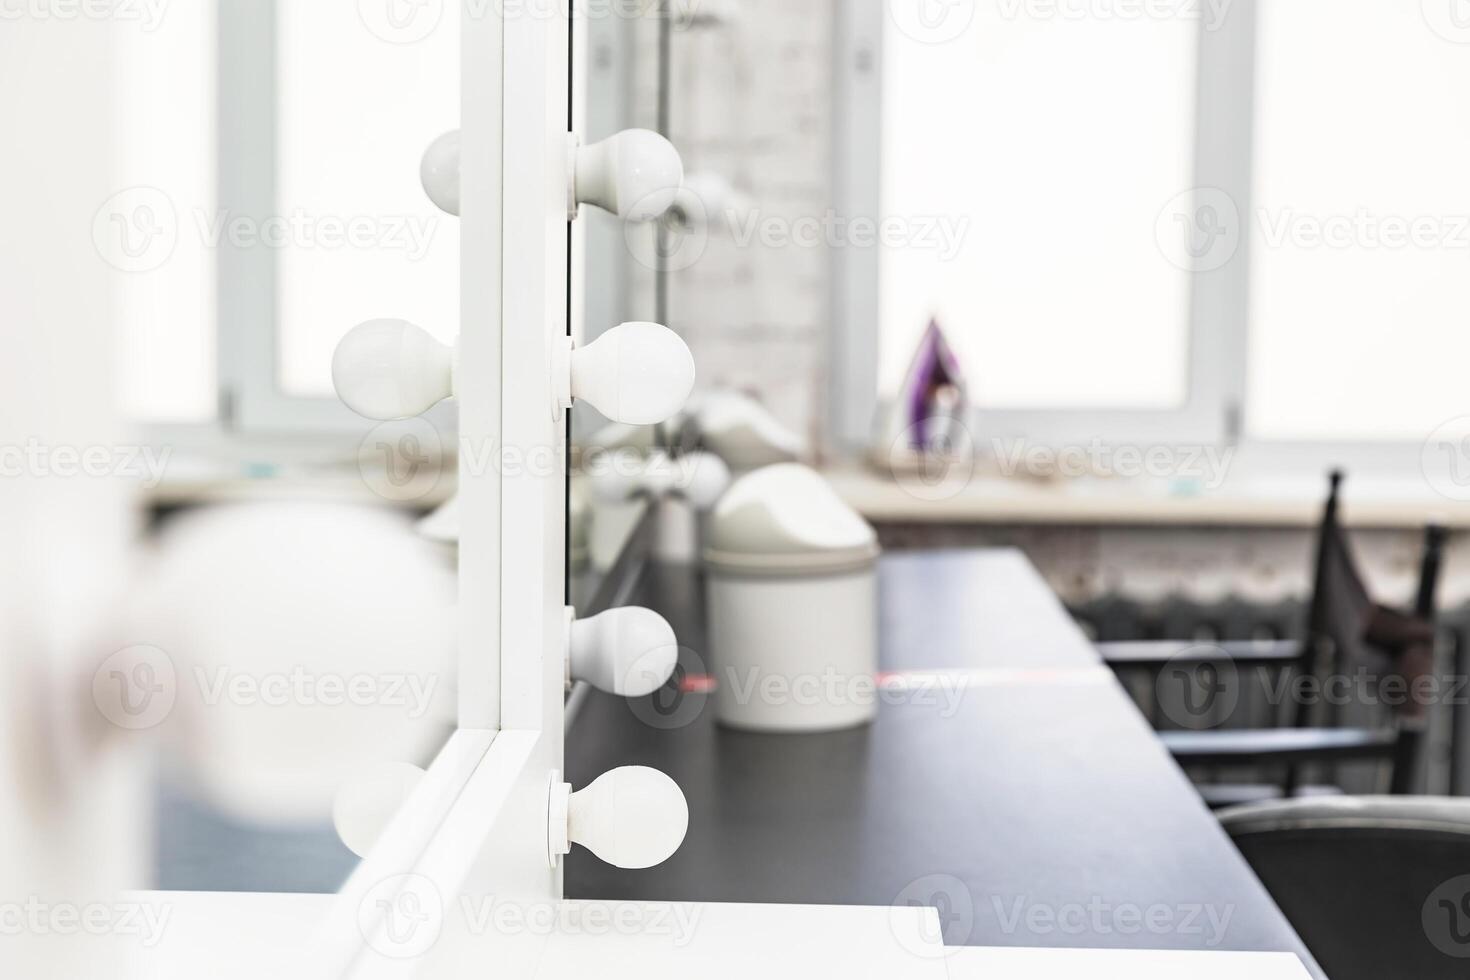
(1036, 809)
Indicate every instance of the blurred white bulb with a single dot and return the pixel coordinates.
(391, 369)
(439, 172)
(307, 641)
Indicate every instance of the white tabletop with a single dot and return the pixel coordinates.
(228, 936)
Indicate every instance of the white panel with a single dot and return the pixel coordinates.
(1360, 231)
(488, 935)
(683, 939)
(264, 936)
(1026, 165)
(359, 101)
(533, 482)
(1069, 964)
(480, 367)
(736, 942)
(535, 316)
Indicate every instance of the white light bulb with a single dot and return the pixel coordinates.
(630, 652)
(632, 817)
(439, 172)
(367, 802)
(639, 373)
(699, 478)
(391, 369)
(635, 174)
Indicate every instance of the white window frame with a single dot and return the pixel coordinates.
(252, 401)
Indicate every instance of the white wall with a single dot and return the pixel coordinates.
(67, 829)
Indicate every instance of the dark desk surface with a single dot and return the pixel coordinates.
(1038, 810)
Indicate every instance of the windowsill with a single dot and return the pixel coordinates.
(200, 482)
(1267, 499)
(1292, 501)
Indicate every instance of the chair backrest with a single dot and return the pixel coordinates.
(1396, 647)
(1416, 662)
(1377, 887)
(1344, 619)
(1339, 598)
(1436, 536)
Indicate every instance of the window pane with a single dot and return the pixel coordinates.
(1360, 311)
(361, 98)
(152, 229)
(1052, 143)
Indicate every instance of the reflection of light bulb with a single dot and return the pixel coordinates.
(700, 478)
(710, 201)
(366, 803)
(743, 432)
(696, 14)
(439, 172)
(391, 369)
(310, 640)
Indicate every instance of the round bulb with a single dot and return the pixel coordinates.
(305, 641)
(391, 369)
(639, 373)
(702, 479)
(439, 172)
(635, 174)
(632, 817)
(367, 802)
(630, 652)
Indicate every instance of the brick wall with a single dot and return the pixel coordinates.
(753, 102)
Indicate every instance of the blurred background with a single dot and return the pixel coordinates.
(1114, 283)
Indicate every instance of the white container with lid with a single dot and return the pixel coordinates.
(791, 573)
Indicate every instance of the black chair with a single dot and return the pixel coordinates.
(1344, 628)
(1377, 887)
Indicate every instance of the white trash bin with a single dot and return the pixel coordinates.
(793, 613)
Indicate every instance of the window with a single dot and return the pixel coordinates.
(240, 272)
(1298, 165)
(1360, 230)
(1023, 206)
(355, 113)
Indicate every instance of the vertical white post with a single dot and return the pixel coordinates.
(535, 305)
(480, 366)
(533, 484)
